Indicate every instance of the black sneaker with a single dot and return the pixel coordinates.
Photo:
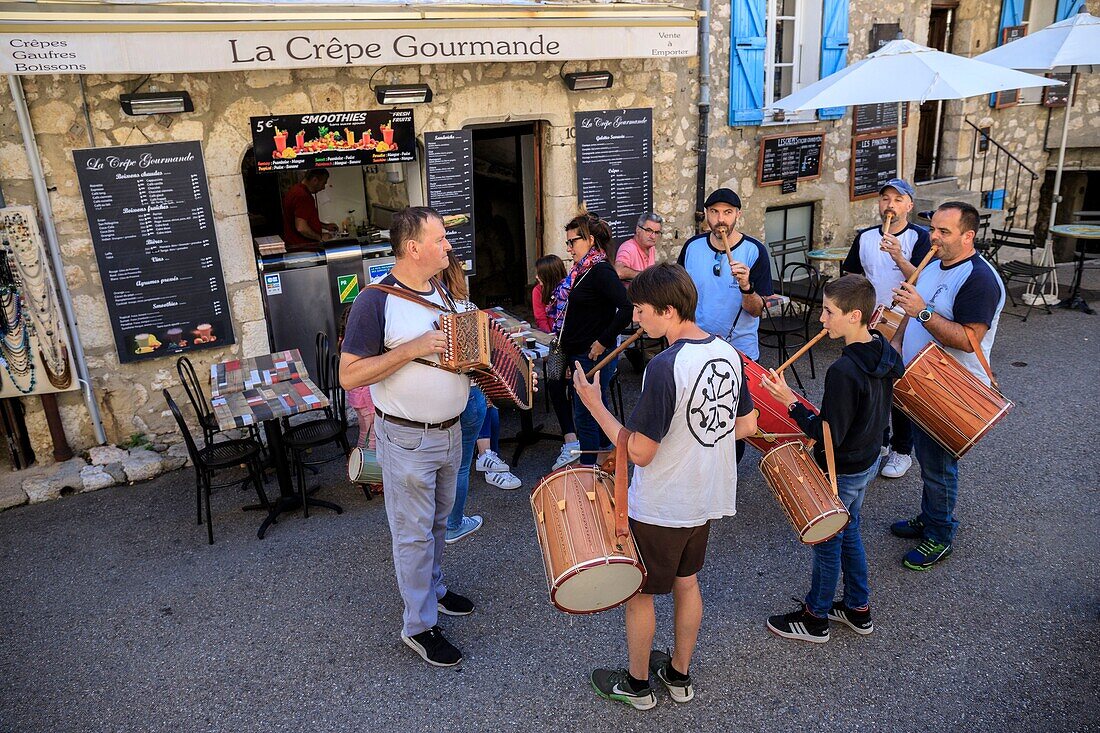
(679, 690)
(908, 529)
(434, 648)
(453, 604)
(613, 684)
(801, 625)
(857, 621)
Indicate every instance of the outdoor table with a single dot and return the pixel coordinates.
(1081, 232)
(828, 260)
(267, 389)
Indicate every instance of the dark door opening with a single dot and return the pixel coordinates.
(505, 214)
(930, 133)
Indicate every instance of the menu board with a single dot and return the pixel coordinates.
(333, 139)
(1058, 96)
(878, 117)
(874, 162)
(449, 163)
(783, 157)
(148, 210)
(1009, 97)
(615, 166)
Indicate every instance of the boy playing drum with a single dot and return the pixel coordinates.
(693, 405)
(858, 391)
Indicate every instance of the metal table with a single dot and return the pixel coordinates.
(1080, 232)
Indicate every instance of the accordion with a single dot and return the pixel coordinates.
(478, 347)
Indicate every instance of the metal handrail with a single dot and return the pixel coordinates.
(1004, 177)
(1000, 147)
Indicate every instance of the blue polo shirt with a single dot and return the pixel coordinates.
(719, 310)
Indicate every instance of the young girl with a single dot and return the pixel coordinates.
(549, 272)
(359, 398)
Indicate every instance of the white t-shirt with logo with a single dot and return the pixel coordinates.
(867, 258)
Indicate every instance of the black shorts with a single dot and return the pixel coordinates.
(669, 553)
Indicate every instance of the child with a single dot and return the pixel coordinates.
(359, 398)
(694, 404)
(858, 391)
(549, 272)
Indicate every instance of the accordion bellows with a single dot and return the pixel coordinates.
(478, 347)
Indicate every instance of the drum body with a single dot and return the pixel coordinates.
(363, 467)
(588, 568)
(886, 321)
(804, 492)
(947, 401)
(772, 416)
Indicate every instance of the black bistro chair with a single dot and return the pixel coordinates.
(219, 456)
(1025, 272)
(204, 413)
(792, 327)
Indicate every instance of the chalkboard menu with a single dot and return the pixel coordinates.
(784, 157)
(451, 187)
(1058, 96)
(615, 166)
(1009, 97)
(878, 117)
(874, 162)
(148, 210)
(332, 139)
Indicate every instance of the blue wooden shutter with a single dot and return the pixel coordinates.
(748, 29)
(834, 47)
(1012, 13)
(1067, 9)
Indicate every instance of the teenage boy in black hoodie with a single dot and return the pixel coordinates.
(858, 391)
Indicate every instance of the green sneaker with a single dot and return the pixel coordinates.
(613, 684)
(927, 554)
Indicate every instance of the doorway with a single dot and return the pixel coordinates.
(507, 221)
(930, 132)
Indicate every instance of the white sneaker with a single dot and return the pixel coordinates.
(489, 462)
(567, 456)
(896, 465)
(884, 451)
(503, 480)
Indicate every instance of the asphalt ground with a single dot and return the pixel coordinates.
(116, 616)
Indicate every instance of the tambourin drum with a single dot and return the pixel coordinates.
(588, 568)
(363, 467)
(886, 321)
(772, 416)
(947, 401)
(804, 493)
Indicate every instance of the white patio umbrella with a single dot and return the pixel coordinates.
(1073, 43)
(903, 71)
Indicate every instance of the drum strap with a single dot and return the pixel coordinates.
(622, 464)
(974, 344)
(830, 458)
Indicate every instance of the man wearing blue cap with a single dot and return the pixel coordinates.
(887, 255)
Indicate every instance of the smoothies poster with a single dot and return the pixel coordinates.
(331, 139)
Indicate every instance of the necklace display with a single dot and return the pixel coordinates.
(28, 311)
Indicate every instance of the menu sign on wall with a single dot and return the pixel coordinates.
(450, 170)
(874, 162)
(615, 166)
(331, 139)
(787, 157)
(878, 117)
(148, 210)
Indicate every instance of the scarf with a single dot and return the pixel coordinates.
(555, 310)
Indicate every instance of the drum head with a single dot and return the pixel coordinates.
(355, 463)
(825, 528)
(598, 587)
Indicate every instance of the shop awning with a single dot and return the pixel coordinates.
(95, 38)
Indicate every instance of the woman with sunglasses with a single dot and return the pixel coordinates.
(589, 308)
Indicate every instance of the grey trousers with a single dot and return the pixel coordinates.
(419, 471)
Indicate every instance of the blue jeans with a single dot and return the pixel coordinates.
(589, 434)
(843, 552)
(490, 429)
(471, 420)
(939, 471)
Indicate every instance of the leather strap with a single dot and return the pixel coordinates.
(409, 296)
(622, 463)
(830, 458)
(977, 347)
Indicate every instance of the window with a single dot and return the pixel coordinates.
(789, 222)
(793, 55)
(1038, 14)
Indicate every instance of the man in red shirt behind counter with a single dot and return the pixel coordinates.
(302, 225)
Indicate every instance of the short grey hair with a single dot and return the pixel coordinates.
(650, 216)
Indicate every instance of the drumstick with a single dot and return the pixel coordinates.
(809, 345)
(614, 352)
(886, 228)
(772, 437)
(830, 459)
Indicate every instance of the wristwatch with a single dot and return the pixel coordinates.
(925, 315)
(750, 291)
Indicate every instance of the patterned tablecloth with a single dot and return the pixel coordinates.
(239, 375)
(249, 391)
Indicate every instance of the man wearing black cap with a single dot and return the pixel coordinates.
(887, 256)
(731, 299)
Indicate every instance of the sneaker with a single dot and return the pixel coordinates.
(489, 462)
(908, 529)
(503, 480)
(927, 554)
(659, 664)
(857, 621)
(453, 604)
(433, 647)
(468, 527)
(612, 684)
(896, 465)
(801, 625)
(567, 455)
